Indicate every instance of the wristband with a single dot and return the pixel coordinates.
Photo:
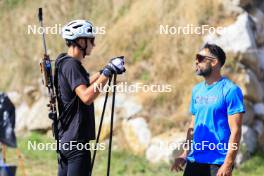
(106, 72)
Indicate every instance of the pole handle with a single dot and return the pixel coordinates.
(40, 14)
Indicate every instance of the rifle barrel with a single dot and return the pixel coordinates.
(40, 17)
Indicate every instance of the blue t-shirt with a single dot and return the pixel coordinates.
(211, 105)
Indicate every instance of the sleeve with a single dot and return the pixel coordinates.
(234, 101)
(192, 103)
(72, 70)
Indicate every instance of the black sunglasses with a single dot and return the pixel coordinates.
(200, 58)
(92, 41)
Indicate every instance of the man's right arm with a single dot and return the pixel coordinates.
(181, 160)
(89, 94)
(189, 137)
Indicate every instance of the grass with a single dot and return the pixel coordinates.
(126, 164)
(12, 3)
(253, 167)
(43, 163)
(36, 163)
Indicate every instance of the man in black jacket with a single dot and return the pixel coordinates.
(76, 93)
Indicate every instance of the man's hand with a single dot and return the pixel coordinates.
(115, 66)
(178, 164)
(224, 170)
(181, 160)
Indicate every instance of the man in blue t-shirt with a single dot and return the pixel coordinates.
(215, 129)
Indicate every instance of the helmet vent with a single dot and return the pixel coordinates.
(89, 30)
(75, 27)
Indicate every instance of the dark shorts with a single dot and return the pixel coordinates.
(200, 169)
(74, 162)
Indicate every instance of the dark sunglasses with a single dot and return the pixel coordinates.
(200, 58)
(92, 41)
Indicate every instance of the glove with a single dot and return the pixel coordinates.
(115, 66)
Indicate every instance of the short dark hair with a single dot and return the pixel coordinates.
(216, 51)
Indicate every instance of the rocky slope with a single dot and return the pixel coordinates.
(145, 122)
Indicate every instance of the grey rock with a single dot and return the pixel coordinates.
(251, 59)
(38, 116)
(248, 144)
(165, 147)
(259, 110)
(258, 17)
(238, 37)
(137, 135)
(22, 114)
(248, 117)
(259, 128)
(250, 85)
(126, 105)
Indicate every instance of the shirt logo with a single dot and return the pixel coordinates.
(205, 100)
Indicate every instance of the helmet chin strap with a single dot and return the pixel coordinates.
(81, 48)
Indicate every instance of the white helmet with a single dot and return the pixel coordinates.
(78, 29)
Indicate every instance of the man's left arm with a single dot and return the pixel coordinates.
(235, 124)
